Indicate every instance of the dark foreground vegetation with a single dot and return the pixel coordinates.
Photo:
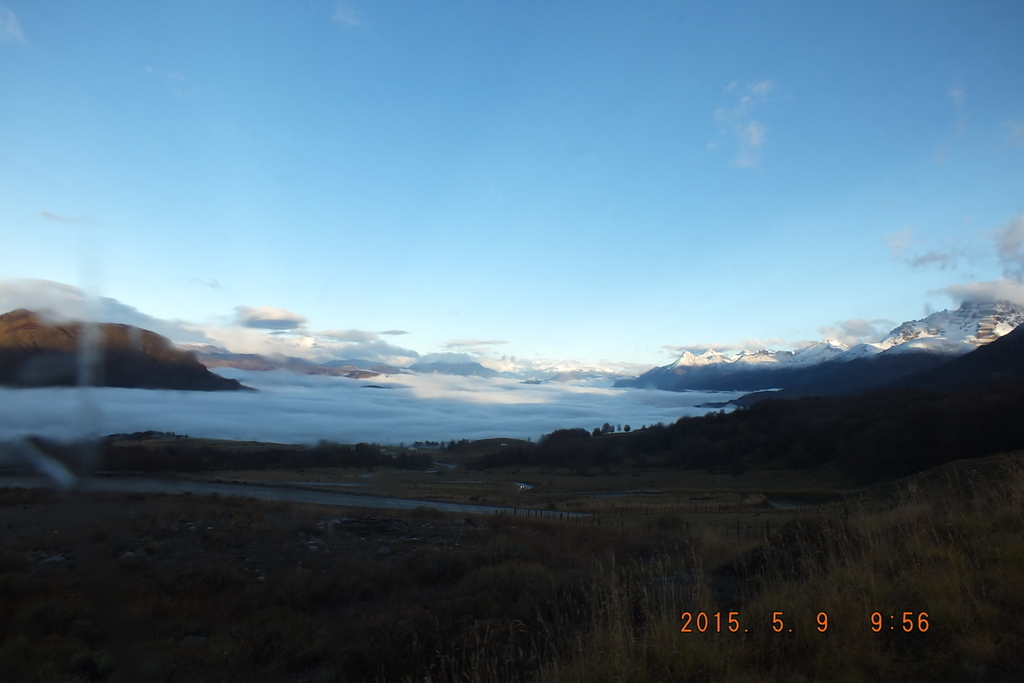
(158, 452)
(871, 437)
(183, 588)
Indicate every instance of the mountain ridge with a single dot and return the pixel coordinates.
(34, 353)
(830, 367)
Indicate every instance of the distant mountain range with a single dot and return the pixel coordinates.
(217, 357)
(832, 368)
(36, 353)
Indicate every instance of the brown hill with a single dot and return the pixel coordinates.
(34, 353)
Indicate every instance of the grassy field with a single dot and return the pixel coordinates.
(189, 588)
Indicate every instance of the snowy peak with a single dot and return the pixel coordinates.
(946, 332)
(970, 326)
(822, 352)
(692, 360)
(762, 357)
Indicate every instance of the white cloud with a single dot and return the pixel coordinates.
(378, 351)
(857, 330)
(291, 408)
(10, 28)
(1003, 289)
(349, 335)
(394, 332)
(345, 14)
(65, 302)
(269, 318)
(737, 121)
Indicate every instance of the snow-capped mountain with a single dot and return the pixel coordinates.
(959, 331)
(914, 346)
(950, 332)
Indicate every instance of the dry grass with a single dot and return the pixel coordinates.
(958, 558)
(188, 588)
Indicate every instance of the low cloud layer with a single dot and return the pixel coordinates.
(292, 408)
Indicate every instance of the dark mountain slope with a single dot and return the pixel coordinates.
(1000, 360)
(34, 353)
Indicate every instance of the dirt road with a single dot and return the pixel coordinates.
(291, 493)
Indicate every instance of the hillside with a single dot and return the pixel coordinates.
(34, 353)
(1001, 360)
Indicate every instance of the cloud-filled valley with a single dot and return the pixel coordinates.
(290, 408)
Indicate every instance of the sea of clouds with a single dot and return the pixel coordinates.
(292, 408)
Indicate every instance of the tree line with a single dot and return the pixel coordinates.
(871, 437)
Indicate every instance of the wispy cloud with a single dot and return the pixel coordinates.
(173, 79)
(958, 95)
(60, 219)
(898, 242)
(10, 27)
(1015, 133)
(1009, 241)
(736, 117)
(269, 318)
(458, 343)
(393, 332)
(904, 247)
(346, 15)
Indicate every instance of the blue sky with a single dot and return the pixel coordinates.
(575, 181)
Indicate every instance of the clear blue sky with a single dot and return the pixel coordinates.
(580, 180)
